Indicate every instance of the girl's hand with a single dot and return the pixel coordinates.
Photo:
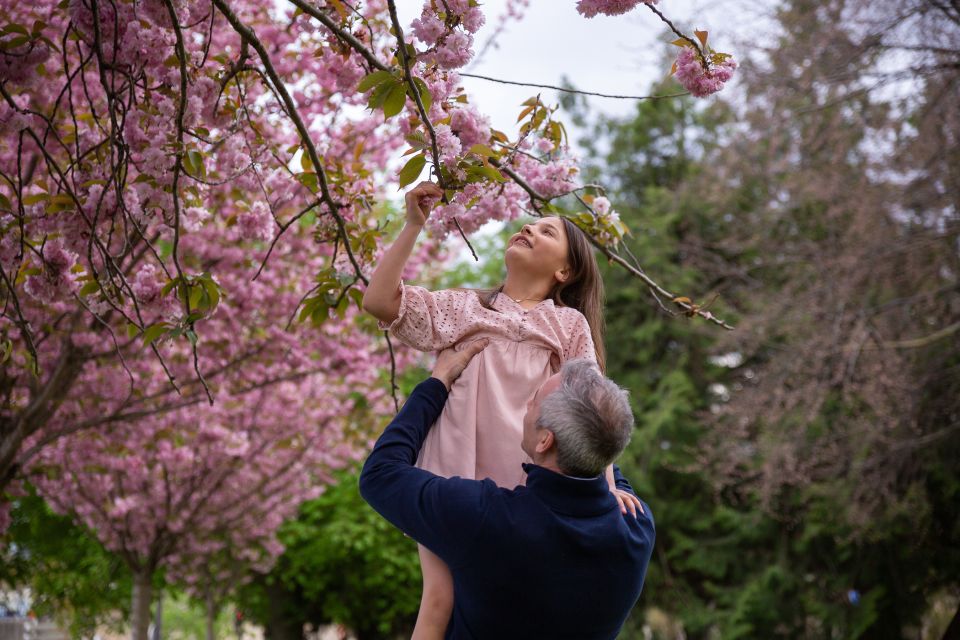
(628, 502)
(420, 200)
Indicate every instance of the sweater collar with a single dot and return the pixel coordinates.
(569, 495)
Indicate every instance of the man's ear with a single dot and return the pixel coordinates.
(545, 440)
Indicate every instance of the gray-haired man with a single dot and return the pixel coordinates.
(553, 559)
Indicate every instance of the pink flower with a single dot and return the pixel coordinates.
(191, 219)
(473, 19)
(257, 223)
(470, 126)
(123, 506)
(146, 285)
(448, 145)
(699, 81)
(455, 50)
(18, 65)
(428, 28)
(601, 205)
(590, 8)
(56, 279)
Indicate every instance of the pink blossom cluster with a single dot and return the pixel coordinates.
(56, 279)
(591, 8)
(256, 223)
(469, 125)
(550, 178)
(447, 29)
(448, 145)
(607, 224)
(697, 79)
(489, 202)
(19, 65)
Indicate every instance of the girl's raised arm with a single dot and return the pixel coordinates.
(382, 298)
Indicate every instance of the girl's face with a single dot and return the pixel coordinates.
(540, 249)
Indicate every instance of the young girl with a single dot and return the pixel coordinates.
(546, 312)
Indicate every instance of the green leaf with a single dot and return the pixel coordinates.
(193, 160)
(380, 94)
(424, 91)
(357, 296)
(213, 291)
(411, 171)
(490, 173)
(154, 331)
(13, 28)
(35, 198)
(132, 330)
(309, 180)
(373, 80)
(90, 287)
(13, 43)
(196, 297)
(483, 150)
(169, 286)
(393, 103)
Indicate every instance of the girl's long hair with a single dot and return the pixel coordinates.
(583, 290)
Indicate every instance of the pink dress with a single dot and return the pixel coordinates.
(479, 432)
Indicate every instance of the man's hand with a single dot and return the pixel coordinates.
(450, 364)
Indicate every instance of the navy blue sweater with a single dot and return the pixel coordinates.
(552, 559)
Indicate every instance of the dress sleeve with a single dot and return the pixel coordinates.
(430, 320)
(579, 341)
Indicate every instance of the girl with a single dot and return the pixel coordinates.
(547, 311)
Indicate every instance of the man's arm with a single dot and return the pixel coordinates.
(442, 514)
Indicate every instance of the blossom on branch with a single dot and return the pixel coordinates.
(700, 78)
(591, 8)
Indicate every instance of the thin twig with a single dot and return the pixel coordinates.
(393, 372)
(568, 90)
(464, 236)
(696, 47)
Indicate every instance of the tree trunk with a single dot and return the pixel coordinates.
(279, 624)
(953, 629)
(43, 404)
(211, 615)
(140, 609)
(158, 618)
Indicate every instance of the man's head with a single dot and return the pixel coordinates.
(578, 421)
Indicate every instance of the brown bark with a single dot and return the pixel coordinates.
(43, 404)
(140, 609)
(953, 629)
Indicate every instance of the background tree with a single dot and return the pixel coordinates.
(805, 487)
(342, 564)
(71, 577)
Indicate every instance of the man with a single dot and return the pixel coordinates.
(556, 558)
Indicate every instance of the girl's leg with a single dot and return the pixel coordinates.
(436, 603)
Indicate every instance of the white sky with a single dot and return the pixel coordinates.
(619, 55)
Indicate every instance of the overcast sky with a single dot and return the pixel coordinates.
(620, 55)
